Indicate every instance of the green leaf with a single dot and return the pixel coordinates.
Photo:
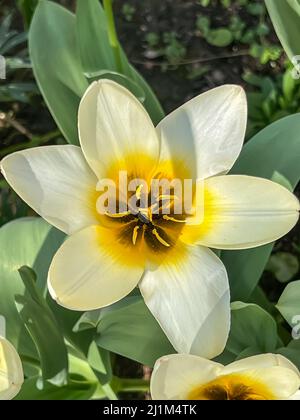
(285, 16)
(220, 37)
(276, 149)
(99, 361)
(289, 83)
(56, 64)
(31, 242)
(283, 265)
(260, 298)
(203, 24)
(92, 35)
(292, 352)
(251, 328)
(129, 329)
(27, 8)
(44, 330)
(289, 303)
(118, 78)
(97, 54)
(255, 9)
(248, 352)
(75, 390)
(282, 180)
(70, 47)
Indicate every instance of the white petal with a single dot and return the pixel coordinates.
(260, 361)
(295, 396)
(175, 376)
(112, 125)
(56, 182)
(190, 300)
(11, 371)
(280, 381)
(91, 271)
(243, 212)
(208, 131)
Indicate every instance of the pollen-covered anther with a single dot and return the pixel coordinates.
(173, 219)
(118, 215)
(159, 238)
(135, 234)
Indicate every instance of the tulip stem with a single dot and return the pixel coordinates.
(33, 142)
(132, 385)
(112, 33)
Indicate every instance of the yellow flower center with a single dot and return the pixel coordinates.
(149, 224)
(155, 231)
(232, 387)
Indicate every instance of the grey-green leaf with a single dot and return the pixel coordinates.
(31, 242)
(285, 16)
(283, 265)
(75, 390)
(97, 55)
(251, 328)
(289, 303)
(56, 64)
(276, 149)
(129, 329)
(44, 330)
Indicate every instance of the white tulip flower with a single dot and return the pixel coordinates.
(11, 371)
(106, 256)
(262, 377)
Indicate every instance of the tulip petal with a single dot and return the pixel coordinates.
(281, 382)
(56, 182)
(243, 212)
(11, 371)
(295, 396)
(208, 131)
(189, 298)
(112, 125)
(261, 361)
(175, 376)
(89, 271)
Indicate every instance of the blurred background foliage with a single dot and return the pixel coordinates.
(181, 48)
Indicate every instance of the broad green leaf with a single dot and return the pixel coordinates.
(276, 149)
(44, 330)
(282, 180)
(97, 54)
(31, 242)
(99, 361)
(129, 329)
(75, 390)
(118, 78)
(259, 298)
(283, 265)
(248, 352)
(285, 16)
(70, 47)
(292, 351)
(56, 64)
(251, 328)
(91, 28)
(289, 303)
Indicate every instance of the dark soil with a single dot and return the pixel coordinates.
(173, 86)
